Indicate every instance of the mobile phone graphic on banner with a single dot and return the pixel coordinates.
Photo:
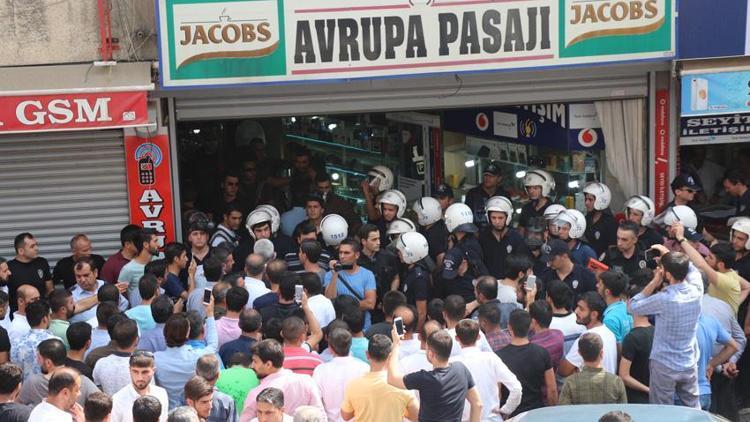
(698, 94)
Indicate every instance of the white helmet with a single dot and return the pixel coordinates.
(551, 212)
(428, 210)
(257, 217)
(742, 225)
(682, 214)
(459, 217)
(413, 247)
(499, 204)
(643, 204)
(541, 178)
(401, 226)
(381, 176)
(577, 222)
(333, 229)
(394, 197)
(276, 217)
(600, 192)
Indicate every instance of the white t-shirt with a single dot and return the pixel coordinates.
(322, 308)
(18, 327)
(408, 347)
(45, 412)
(481, 343)
(255, 288)
(415, 362)
(122, 403)
(506, 294)
(112, 373)
(332, 378)
(610, 350)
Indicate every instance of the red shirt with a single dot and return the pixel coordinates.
(300, 361)
(552, 340)
(111, 268)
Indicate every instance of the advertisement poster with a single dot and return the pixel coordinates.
(210, 42)
(715, 93)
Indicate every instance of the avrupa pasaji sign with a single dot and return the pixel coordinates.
(209, 42)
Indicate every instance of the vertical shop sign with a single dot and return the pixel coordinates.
(150, 183)
(661, 150)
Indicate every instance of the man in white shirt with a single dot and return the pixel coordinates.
(60, 404)
(332, 377)
(410, 343)
(417, 361)
(319, 304)
(488, 372)
(559, 297)
(19, 326)
(255, 266)
(142, 368)
(453, 312)
(111, 372)
(589, 312)
(4, 276)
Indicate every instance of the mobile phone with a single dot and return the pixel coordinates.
(596, 266)
(399, 323)
(206, 296)
(298, 289)
(651, 254)
(531, 282)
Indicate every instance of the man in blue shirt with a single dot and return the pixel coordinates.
(611, 286)
(351, 279)
(709, 332)
(177, 260)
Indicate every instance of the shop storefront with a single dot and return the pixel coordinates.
(62, 153)
(414, 86)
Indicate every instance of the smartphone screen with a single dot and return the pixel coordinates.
(531, 282)
(650, 254)
(206, 296)
(298, 289)
(399, 323)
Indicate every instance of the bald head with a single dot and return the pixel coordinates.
(410, 318)
(254, 265)
(26, 294)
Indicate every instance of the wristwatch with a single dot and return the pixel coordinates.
(681, 240)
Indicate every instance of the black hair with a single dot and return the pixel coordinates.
(630, 226)
(343, 304)
(97, 407)
(125, 333)
(173, 250)
(157, 267)
(614, 281)
(487, 287)
(435, 310)
(58, 299)
(455, 307)
(237, 298)
(595, 303)
(61, 380)
(146, 409)
(143, 236)
(161, 308)
(11, 376)
(355, 319)
(677, 264)
(735, 176)
(108, 293)
(312, 250)
(392, 299)
(355, 245)
(517, 263)
(379, 348)
(541, 312)
(35, 313)
(105, 310)
(724, 253)
(441, 343)
(311, 283)
(196, 324)
(78, 334)
(20, 240)
(213, 268)
(490, 313)
(286, 287)
(641, 277)
(561, 294)
(364, 232)
(315, 198)
(54, 350)
(304, 228)
(148, 285)
(129, 234)
(269, 351)
(520, 322)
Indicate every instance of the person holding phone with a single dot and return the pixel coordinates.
(346, 277)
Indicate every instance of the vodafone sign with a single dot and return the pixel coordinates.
(72, 111)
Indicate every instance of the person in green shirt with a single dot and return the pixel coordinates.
(62, 306)
(238, 379)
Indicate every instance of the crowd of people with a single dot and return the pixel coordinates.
(442, 311)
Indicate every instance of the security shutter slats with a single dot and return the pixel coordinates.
(58, 184)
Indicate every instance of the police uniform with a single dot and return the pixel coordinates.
(580, 280)
(581, 253)
(416, 284)
(649, 238)
(495, 251)
(615, 260)
(476, 199)
(530, 215)
(743, 205)
(385, 266)
(474, 254)
(437, 239)
(603, 233)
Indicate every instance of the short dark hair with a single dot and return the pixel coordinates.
(541, 312)
(441, 343)
(364, 232)
(270, 350)
(630, 226)
(173, 250)
(196, 321)
(197, 387)
(125, 333)
(322, 177)
(271, 329)
(58, 299)
(272, 396)
(379, 348)
(104, 310)
(146, 409)
(85, 260)
(237, 298)
(315, 198)
(20, 240)
(148, 286)
(312, 250)
(594, 302)
(344, 304)
(561, 294)
(590, 346)
(355, 319)
(129, 234)
(292, 328)
(11, 376)
(489, 313)
(455, 307)
(3, 297)
(615, 281)
(113, 321)
(176, 330)
(213, 268)
(35, 313)
(616, 416)
(392, 299)
(467, 331)
(250, 321)
(157, 267)
(78, 333)
(304, 228)
(520, 322)
(311, 283)
(435, 310)
(161, 309)
(143, 236)
(232, 206)
(735, 176)
(677, 264)
(355, 245)
(97, 407)
(142, 359)
(724, 253)
(108, 293)
(62, 379)
(487, 286)
(340, 341)
(517, 263)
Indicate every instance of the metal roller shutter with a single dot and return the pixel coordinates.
(56, 185)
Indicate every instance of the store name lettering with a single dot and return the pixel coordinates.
(613, 11)
(229, 34)
(34, 112)
(553, 112)
(375, 38)
(152, 205)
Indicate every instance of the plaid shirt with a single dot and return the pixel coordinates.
(593, 386)
(498, 339)
(677, 309)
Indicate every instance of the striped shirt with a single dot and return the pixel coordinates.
(293, 263)
(300, 361)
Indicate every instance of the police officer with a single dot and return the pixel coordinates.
(379, 179)
(740, 238)
(333, 229)
(398, 227)
(626, 255)
(476, 198)
(684, 188)
(458, 221)
(455, 278)
(444, 194)
(412, 249)
(601, 227)
(499, 240)
(381, 262)
(557, 255)
(641, 210)
(392, 205)
(569, 226)
(539, 185)
(430, 219)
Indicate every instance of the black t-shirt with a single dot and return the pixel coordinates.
(14, 412)
(442, 390)
(528, 363)
(437, 239)
(4, 341)
(34, 273)
(64, 273)
(602, 234)
(496, 251)
(614, 259)
(81, 367)
(279, 310)
(383, 328)
(636, 347)
(581, 280)
(743, 204)
(530, 215)
(649, 238)
(382, 226)
(384, 265)
(476, 199)
(470, 244)
(461, 285)
(416, 285)
(283, 244)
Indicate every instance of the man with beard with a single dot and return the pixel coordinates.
(142, 368)
(498, 239)
(4, 276)
(589, 312)
(147, 247)
(62, 306)
(600, 223)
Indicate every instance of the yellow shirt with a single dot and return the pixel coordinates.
(372, 399)
(727, 288)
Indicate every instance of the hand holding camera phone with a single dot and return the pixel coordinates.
(298, 290)
(398, 322)
(206, 296)
(530, 283)
(342, 267)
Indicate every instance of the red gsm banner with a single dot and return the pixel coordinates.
(150, 184)
(73, 111)
(661, 152)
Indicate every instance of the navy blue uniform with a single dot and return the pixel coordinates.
(495, 251)
(602, 234)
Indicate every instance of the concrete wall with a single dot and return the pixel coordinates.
(39, 32)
